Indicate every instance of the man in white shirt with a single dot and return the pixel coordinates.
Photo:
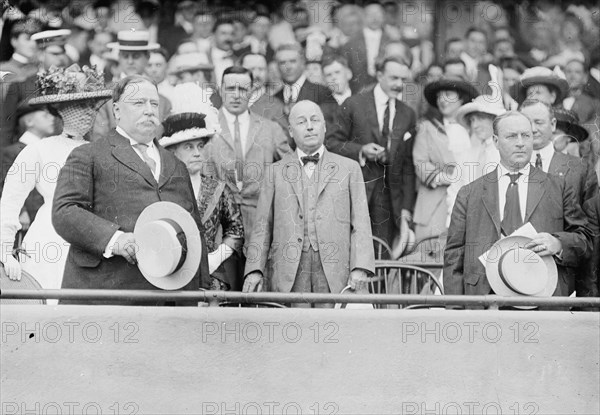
(221, 53)
(337, 75)
(96, 208)
(498, 203)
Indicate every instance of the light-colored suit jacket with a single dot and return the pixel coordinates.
(342, 219)
(267, 143)
(552, 207)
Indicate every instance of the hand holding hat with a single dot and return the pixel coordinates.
(544, 244)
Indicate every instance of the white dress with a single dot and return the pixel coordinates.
(37, 166)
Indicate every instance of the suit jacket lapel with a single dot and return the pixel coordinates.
(252, 131)
(225, 133)
(326, 172)
(535, 192)
(292, 173)
(490, 198)
(167, 165)
(371, 116)
(126, 155)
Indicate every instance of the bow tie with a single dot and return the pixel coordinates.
(308, 159)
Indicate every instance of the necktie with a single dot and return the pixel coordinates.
(143, 148)
(385, 129)
(512, 210)
(310, 159)
(239, 153)
(287, 94)
(538, 161)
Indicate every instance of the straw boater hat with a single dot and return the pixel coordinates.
(487, 104)
(193, 116)
(65, 85)
(515, 271)
(449, 84)
(51, 37)
(190, 62)
(539, 75)
(169, 245)
(568, 121)
(132, 40)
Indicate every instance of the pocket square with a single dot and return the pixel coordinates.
(407, 135)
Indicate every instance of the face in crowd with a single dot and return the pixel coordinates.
(257, 64)
(307, 126)
(542, 122)
(157, 67)
(392, 77)
(235, 90)
(541, 93)
(337, 77)
(191, 153)
(480, 125)
(514, 141)
(448, 102)
(133, 62)
(136, 111)
(291, 65)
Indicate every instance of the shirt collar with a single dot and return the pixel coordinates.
(372, 33)
(20, 58)
(243, 117)
(502, 171)
(131, 140)
(595, 73)
(298, 84)
(340, 98)
(29, 138)
(546, 153)
(301, 153)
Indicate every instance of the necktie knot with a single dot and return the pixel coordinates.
(310, 159)
(538, 161)
(143, 148)
(513, 177)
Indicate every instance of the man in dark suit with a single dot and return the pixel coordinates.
(292, 63)
(592, 210)
(576, 171)
(489, 207)
(362, 49)
(22, 63)
(585, 106)
(377, 129)
(103, 188)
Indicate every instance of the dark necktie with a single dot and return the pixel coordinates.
(143, 148)
(310, 159)
(512, 219)
(385, 129)
(239, 153)
(538, 161)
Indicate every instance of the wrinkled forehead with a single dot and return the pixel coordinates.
(306, 109)
(516, 123)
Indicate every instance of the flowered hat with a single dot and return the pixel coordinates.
(60, 85)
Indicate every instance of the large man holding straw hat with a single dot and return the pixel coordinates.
(500, 202)
(103, 192)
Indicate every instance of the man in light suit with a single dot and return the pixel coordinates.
(483, 211)
(383, 145)
(362, 49)
(312, 231)
(105, 185)
(241, 159)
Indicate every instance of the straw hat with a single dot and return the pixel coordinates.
(169, 245)
(515, 271)
(539, 75)
(133, 40)
(190, 62)
(51, 37)
(60, 85)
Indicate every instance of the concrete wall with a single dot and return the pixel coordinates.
(127, 360)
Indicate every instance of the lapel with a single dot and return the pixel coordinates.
(253, 129)
(535, 191)
(326, 172)
(307, 92)
(371, 115)
(167, 164)
(127, 156)
(490, 197)
(292, 174)
(225, 133)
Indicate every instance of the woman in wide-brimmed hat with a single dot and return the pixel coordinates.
(186, 132)
(75, 94)
(569, 133)
(439, 139)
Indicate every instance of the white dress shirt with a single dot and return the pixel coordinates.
(523, 187)
(568, 103)
(546, 154)
(98, 62)
(244, 120)
(291, 92)
(381, 101)
(372, 41)
(309, 168)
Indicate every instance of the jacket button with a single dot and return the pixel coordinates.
(299, 239)
(300, 216)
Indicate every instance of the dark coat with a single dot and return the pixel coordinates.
(552, 207)
(592, 210)
(357, 125)
(577, 173)
(103, 187)
(355, 52)
(15, 94)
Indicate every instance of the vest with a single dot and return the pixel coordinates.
(310, 186)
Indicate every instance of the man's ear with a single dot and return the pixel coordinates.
(553, 124)
(116, 110)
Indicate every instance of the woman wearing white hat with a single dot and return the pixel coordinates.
(76, 95)
(186, 133)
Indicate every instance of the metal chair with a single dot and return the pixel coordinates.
(382, 249)
(395, 277)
